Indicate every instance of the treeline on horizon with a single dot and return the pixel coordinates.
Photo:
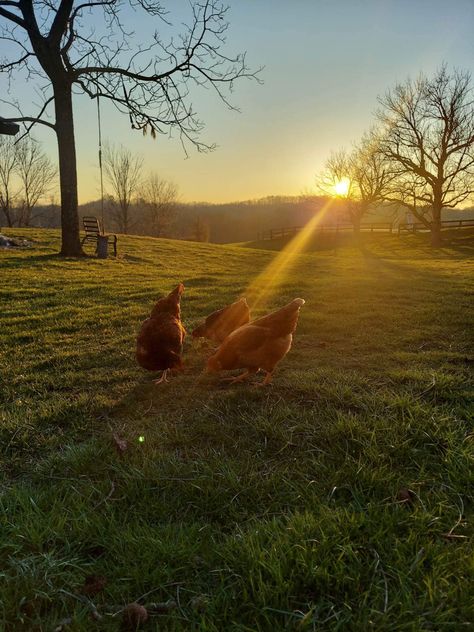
(229, 222)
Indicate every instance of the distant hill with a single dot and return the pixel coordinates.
(234, 221)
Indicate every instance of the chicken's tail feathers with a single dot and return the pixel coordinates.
(282, 321)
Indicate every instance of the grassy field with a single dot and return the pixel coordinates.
(339, 498)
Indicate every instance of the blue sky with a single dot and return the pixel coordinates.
(325, 63)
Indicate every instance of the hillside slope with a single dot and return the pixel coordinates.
(338, 498)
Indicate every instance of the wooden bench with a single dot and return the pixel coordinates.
(93, 231)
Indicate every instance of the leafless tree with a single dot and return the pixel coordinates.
(89, 47)
(123, 171)
(36, 175)
(160, 198)
(366, 178)
(8, 161)
(202, 229)
(427, 139)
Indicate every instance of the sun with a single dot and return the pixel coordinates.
(341, 187)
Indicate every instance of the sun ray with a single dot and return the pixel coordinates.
(267, 283)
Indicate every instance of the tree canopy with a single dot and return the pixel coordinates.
(426, 138)
(89, 47)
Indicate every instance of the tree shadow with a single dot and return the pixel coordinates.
(17, 261)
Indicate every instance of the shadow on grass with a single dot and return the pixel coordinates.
(38, 260)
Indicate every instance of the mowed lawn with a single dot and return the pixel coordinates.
(339, 498)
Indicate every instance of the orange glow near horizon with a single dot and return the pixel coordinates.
(266, 284)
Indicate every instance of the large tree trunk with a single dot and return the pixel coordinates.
(71, 243)
(436, 240)
(8, 217)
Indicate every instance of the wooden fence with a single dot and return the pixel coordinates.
(447, 223)
(291, 231)
(386, 227)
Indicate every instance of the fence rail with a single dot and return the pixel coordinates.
(446, 223)
(386, 227)
(291, 231)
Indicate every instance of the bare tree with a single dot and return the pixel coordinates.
(8, 161)
(37, 176)
(360, 178)
(88, 46)
(160, 198)
(202, 230)
(123, 171)
(427, 139)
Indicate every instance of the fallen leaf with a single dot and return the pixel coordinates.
(405, 495)
(133, 616)
(93, 584)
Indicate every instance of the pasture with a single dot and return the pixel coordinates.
(339, 498)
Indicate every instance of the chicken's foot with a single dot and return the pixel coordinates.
(163, 378)
(239, 378)
(267, 380)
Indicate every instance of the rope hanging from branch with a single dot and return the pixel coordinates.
(100, 163)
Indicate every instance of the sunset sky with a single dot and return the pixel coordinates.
(325, 63)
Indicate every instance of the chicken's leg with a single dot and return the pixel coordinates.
(267, 380)
(163, 378)
(239, 378)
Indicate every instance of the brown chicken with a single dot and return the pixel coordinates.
(160, 341)
(259, 345)
(221, 323)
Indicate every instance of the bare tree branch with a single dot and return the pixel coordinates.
(427, 140)
(89, 47)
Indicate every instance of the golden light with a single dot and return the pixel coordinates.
(266, 284)
(341, 187)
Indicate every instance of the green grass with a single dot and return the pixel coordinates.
(253, 509)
